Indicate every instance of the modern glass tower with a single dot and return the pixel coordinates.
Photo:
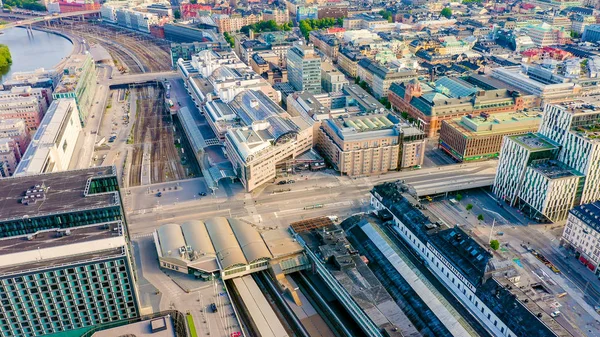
(65, 261)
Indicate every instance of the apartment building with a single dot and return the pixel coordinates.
(548, 173)
(280, 16)
(379, 78)
(364, 21)
(582, 234)
(29, 109)
(8, 157)
(348, 61)
(473, 138)
(328, 44)
(44, 95)
(16, 129)
(87, 277)
(230, 24)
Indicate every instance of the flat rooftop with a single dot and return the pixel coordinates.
(497, 123)
(534, 142)
(555, 170)
(65, 193)
(140, 329)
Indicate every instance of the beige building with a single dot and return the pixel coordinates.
(280, 16)
(370, 144)
(226, 23)
(348, 61)
(269, 140)
(332, 80)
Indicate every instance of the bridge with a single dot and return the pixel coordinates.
(138, 79)
(30, 21)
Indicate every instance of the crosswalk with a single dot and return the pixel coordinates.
(139, 236)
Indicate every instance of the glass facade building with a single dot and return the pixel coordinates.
(304, 68)
(65, 259)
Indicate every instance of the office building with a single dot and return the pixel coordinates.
(582, 232)
(39, 78)
(16, 129)
(29, 109)
(428, 104)
(332, 80)
(548, 173)
(362, 145)
(304, 68)
(462, 265)
(79, 82)
(379, 78)
(64, 254)
(473, 138)
(269, 142)
(53, 144)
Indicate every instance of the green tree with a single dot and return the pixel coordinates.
(480, 217)
(229, 39)
(459, 197)
(177, 14)
(194, 1)
(5, 57)
(385, 102)
(404, 114)
(357, 80)
(469, 207)
(446, 12)
(386, 15)
(575, 35)
(495, 244)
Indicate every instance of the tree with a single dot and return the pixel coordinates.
(357, 80)
(469, 207)
(385, 102)
(404, 114)
(177, 14)
(229, 39)
(480, 217)
(459, 197)
(386, 15)
(446, 12)
(193, 2)
(495, 244)
(5, 57)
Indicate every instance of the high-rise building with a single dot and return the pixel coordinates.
(549, 172)
(65, 259)
(304, 68)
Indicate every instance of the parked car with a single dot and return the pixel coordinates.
(283, 182)
(159, 194)
(213, 307)
(555, 314)
(203, 194)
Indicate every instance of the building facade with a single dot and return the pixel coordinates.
(332, 80)
(304, 68)
(79, 82)
(78, 228)
(473, 138)
(16, 129)
(29, 109)
(582, 233)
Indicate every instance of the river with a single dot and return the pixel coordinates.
(42, 50)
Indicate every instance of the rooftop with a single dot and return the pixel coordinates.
(66, 192)
(553, 169)
(501, 123)
(589, 214)
(76, 64)
(534, 142)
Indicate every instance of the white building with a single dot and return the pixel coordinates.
(53, 144)
(547, 173)
(582, 233)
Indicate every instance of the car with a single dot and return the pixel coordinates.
(213, 307)
(555, 314)
(159, 194)
(202, 194)
(291, 181)
(283, 182)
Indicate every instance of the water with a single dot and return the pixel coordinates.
(42, 50)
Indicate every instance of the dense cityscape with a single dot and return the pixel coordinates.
(310, 168)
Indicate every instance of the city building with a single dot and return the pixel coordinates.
(79, 82)
(39, 78)
(8, 157)
(136, 16)
(329, 44)
(30, 109)
(44, 95)
(226, 248)
(76, 6)
(544, 35)
(450, 98)
(280, 16)
(520, 79)
(462, 265)
(53, 144)
(269, 142)
(379, 78)
(64, 253)
(591, 33)
(362, 145)
(185, 50)
(580, 22)
(230, 24)
(473, 138)
(332, 80)
(304, 68)
(265, 64)
(16, 129)
(581, 234)
(348, 61)
(364, 21)
(548, 173)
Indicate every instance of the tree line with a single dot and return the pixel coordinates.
(5, 57)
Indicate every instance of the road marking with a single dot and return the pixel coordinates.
(139, 236)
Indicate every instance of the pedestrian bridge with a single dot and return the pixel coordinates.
(27, 22)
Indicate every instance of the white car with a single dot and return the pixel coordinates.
(555, 314)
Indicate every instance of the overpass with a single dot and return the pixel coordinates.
(138, 79)
(444, 179)
(30, 21)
